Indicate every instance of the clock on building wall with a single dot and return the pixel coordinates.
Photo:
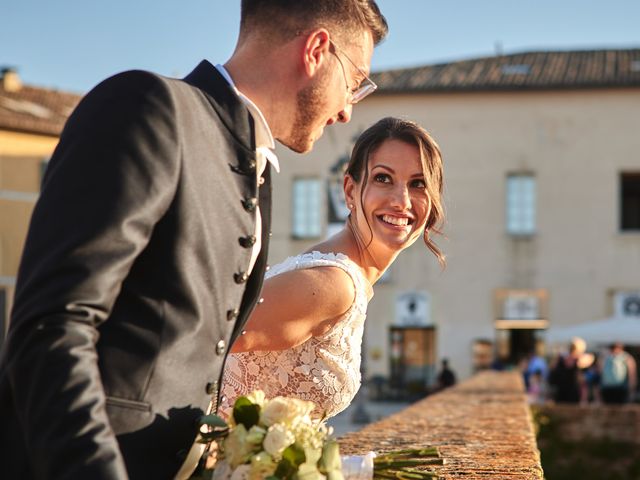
(627, 304)
(413, 309)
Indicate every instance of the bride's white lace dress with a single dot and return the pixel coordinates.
(324, 369)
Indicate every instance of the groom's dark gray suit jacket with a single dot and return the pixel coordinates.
(133, 280)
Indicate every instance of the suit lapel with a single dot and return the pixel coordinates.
(254, 284)
(238, 120)
(232, 112)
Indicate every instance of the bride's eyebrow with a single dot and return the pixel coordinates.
(391, 170)
(382, 165)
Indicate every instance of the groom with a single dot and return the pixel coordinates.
(148, 245)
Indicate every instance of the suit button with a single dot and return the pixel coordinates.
(248, 169)
(240, 277)
(251, 167)
(212, 388)
(232, 314)
(248, 241)
(261, 301)
(250, 204)
(221, 347)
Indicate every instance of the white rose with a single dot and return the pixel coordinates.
(262, 466)
(257, 397)
(241, 473)
(256, 435)
(275, 411)
(277, 439)
(285, 410)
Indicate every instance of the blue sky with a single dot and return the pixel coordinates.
(73, 44)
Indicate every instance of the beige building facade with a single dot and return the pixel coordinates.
(542, 173)
(30, 121)
(535, 234)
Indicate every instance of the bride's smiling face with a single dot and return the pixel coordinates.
(390, 211)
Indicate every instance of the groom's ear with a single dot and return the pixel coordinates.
(317, 48)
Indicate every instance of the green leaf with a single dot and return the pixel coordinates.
(213, 421)
(246, 413)
(292, 457)
(284, 470)
(214, 435)
(294, 454)
(216, 428)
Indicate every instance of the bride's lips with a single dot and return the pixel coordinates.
(395, 222)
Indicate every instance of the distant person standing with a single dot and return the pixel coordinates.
(536, 363)
(566, 376)
(446, 377)
(536, 388)
(618, 377)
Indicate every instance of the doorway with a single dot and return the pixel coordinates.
(522, 342)
(413, 359)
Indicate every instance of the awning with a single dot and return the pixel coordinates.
(601, 332)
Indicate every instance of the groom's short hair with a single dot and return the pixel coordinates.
(287, 18)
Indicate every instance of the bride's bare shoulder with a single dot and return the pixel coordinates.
(323, 290)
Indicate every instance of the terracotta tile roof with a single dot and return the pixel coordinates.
(35, 110)
(521, 71)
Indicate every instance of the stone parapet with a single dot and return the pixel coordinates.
(483, 428)
(575, 423)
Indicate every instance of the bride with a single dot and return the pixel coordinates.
(304, 339)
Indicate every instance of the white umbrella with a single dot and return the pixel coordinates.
(601, 332)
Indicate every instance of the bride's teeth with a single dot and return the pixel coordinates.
(395, 221)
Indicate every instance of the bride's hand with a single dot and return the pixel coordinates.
(211, 456)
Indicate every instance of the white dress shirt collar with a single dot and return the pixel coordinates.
(264, 139)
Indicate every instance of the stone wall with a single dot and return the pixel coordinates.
(576, 422)
(483, 428)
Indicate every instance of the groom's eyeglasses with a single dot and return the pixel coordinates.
(365, 88)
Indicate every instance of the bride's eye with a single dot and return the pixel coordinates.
(381, 178)
(418, 183)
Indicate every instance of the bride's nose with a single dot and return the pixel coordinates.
(400, 198)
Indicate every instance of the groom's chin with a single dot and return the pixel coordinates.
(299, 145)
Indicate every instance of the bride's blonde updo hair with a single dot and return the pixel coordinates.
(430, 157)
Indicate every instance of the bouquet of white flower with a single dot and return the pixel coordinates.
(273, 439)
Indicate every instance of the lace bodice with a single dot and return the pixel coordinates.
(324, 369)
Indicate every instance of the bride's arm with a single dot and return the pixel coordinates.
(297, 305)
